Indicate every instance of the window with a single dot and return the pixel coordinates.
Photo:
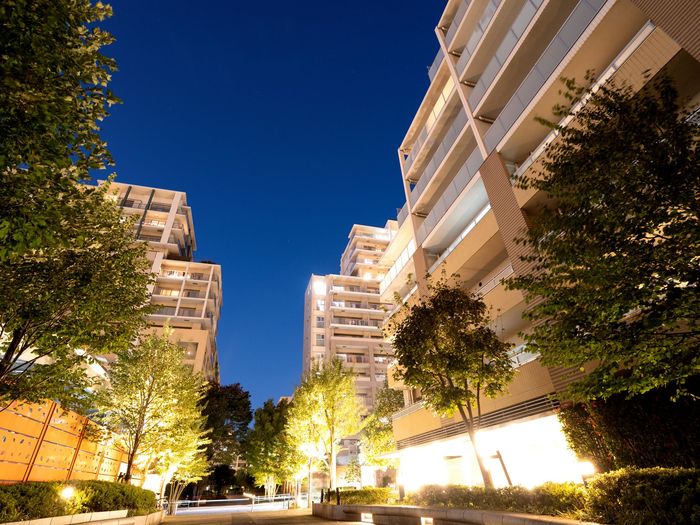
(320, 321)
(187, 312)
(320, 305)
(190, 349)
(320, 339)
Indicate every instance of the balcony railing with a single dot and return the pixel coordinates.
(399, 264)
(403, 214)
(520, 355)
(472, 224)
(574, 26)
(436, 64)
(449, 196)
(166, 310)
(510, 40)
(475, 37)
(357, 322)
(494, 281)
(456, 22)
(447, 143)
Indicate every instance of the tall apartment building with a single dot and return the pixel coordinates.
(343, 313)
(498, 67)
(187, 294)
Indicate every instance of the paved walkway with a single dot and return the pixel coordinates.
(281, 517)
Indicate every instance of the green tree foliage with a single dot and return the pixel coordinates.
(228, 416)
(271, 456)
(305, 429)
(67, 264)
(325, 411)
(353, 471)
(615, 248)
(53, 95)
(153, 402)
(377, 436)
(444, 346)
(180, 449)
(648, 430)
(62, 306)
(192, 470)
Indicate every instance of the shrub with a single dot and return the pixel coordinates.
(366, 496)
(35, 500)
(653, 496)
(550, 498)
(647, 430)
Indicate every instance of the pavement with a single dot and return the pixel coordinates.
(279, 517)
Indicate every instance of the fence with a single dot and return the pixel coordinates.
(44, 442)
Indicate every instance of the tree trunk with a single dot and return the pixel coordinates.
(10, 351)
(130, 459)
(332, 467)
(469, 421)
(308, 490)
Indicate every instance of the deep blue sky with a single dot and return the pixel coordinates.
(280, 120)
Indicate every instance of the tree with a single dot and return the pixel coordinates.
(444, 346)
(180, 445)
(270, 454)
(53, 95)
(191, 471)
(62, 306)
(353, 471)
(153, 399)
(615, 248)
(329, 411)
(305, 430)
(228, 416)
(377, 437)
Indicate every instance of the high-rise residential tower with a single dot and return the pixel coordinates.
(187, 293)
(343, 313)
(498, 67)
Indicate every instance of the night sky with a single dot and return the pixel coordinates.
(280, 120)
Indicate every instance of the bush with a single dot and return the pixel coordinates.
(35, 500)
(366, 496)
(647, 430)
(653, 496)
(550, 498)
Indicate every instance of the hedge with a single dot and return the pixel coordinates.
(550, 498)
(647, 430)
(366, 496)
(653, 496)
(35, 500)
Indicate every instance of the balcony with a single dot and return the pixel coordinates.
(403, 214)
(468, 170)
(435, 65)
(557, 50)
(472, 224)
(437, 114)
(396, 269)
(454, 132)
(477, 34)
(361, 323)
(510, 40)
(456, 22)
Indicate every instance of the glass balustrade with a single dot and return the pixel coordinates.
(449, 196)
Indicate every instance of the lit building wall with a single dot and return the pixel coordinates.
(498, 67)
